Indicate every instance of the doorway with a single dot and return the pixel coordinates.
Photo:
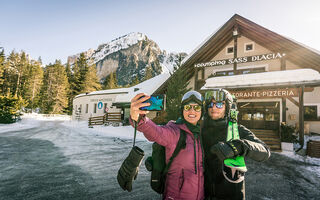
(259, 115)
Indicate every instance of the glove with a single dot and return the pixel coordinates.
(225, 150)
(129, 168)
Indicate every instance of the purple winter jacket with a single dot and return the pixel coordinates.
(182, 180)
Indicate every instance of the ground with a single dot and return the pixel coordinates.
(60, 159)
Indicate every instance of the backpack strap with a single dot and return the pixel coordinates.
(180, 145)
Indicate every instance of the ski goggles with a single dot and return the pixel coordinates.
(188, 107)
(217, 94)
(192, 96)
(218, 104)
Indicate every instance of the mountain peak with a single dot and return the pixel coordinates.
(117, 44)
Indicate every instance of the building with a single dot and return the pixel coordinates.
(98, 103)
(274, 78)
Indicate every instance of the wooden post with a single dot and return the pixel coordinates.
(283, 64)
(284, 109)
(301, 117)
(235, 49)
(196, 79)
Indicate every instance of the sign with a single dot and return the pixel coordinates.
(100, 105)
(268, 93)
(269, 56)
(105, 99)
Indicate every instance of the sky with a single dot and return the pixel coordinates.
(56, 29)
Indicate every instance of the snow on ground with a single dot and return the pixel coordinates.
(126, 132)
(123, 132)
(315, 162)
(31, 120)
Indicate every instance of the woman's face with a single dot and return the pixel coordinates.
(191, 115)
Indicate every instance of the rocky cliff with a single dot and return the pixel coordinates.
(130, 56)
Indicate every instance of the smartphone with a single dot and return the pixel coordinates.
(157, 103)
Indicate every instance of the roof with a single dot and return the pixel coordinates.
(297, 77)
(102, 92)
(296, 53)
(148, 87)
(126, 94)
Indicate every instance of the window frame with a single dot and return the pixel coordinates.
(245, 47)
(227, 53)
(314, 118)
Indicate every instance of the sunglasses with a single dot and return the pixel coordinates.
(218, 105)
(188, 107)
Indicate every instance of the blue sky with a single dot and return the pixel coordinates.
(55, 29)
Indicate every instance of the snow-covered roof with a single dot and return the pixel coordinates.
(126, 94)
(148, 87)
(111, 91)
(265, 79)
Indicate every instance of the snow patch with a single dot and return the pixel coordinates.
(117, 44)
(123, 132)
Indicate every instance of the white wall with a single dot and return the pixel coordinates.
(91, 101)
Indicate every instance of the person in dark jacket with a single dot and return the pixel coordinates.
(216, 149)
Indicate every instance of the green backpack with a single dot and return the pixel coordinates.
(157, 163)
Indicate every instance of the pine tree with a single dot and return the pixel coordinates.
(91, 82)
(110, 82)
(2, 65)
(54, 98)
(135, 81)
(9, 107)
(32, 81)
(177, 87)
(83, 67)
(148, 73)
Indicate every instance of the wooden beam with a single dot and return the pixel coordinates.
(293, 101)
(235, 48)
(283, 64)
(301, 117)
(195, 79)
(284, 109)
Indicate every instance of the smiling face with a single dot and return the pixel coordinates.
(217, 113)
(191, 115)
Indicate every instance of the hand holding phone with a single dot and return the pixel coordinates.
(157, 103)
(142, 103)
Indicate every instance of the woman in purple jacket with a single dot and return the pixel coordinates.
(185, 177)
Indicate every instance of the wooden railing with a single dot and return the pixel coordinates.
(113, 118)
(313, 148)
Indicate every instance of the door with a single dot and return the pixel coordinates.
(259, 115)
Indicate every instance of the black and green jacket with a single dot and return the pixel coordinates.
(216, 186)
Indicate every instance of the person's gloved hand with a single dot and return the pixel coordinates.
(129, 168)
(225, 150)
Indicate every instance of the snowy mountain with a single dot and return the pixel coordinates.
(131, 56)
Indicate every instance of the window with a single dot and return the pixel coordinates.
(240, 71)
(229, 50)
(310, 113)
(270, 117)
(246, 116)
(248, 47)
(95, 108)
(87, 108)
(258, 116)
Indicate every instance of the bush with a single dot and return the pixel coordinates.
(9, 109)
(287, 133)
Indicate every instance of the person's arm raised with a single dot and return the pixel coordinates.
(136, 104)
